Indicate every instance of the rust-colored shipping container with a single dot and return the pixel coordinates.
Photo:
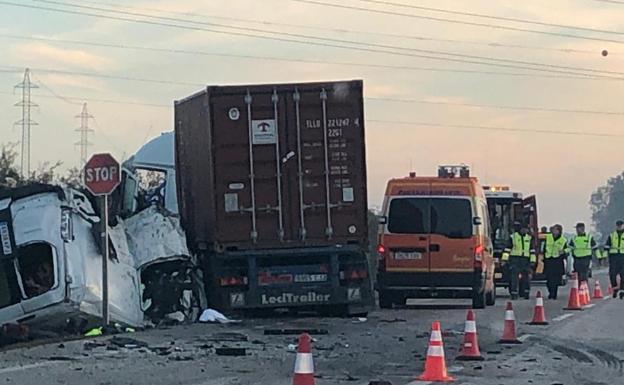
(272, 166)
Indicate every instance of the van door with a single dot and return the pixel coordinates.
(407, 234)
(452, 239)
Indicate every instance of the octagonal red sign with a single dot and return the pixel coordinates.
(101, 174)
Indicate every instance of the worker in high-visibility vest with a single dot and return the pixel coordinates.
(615, 247)
(520, 255)
(583, 247)
(555, 253)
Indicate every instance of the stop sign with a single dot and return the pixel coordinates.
(101, 174)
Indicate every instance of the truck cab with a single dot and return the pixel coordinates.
(434, 240)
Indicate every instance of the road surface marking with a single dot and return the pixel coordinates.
(589, 306)
(606, 298)
(19, 368)
(524, 337)
(562, 317)
(420, 383)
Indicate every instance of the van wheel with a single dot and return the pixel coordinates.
(385, 300)
(478, 295)
(490, 297)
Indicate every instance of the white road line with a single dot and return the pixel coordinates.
(606, 298)
(562, 317)
(19, 368)
(524, 337)
(589, 306)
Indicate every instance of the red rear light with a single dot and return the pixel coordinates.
(381, 249)
(233, 281)
(352, 275)
(478, 257)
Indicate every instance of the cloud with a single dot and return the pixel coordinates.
(51, 55)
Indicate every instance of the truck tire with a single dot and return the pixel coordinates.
(490, 297)
(478, 295)
(385, 300)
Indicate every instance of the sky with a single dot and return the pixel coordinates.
(129, 73)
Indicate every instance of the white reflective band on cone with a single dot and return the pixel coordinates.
(468, 344)
(304, 363)
(574, 284)
(509, 315)
(471, 327)
(436, 336)
(540, 302)
(435, 351)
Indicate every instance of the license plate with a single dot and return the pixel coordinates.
(306, 278)
(407, 255)
(498, 275)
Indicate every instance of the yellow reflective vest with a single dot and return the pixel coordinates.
(554, 247)
(617, 243)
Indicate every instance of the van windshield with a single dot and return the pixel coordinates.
(442, 216)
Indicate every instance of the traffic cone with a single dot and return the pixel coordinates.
(470, 347)
(509, 332)
(584, 294)
(597, 290)
(304, 364)
(435, 365)
(574, 302)
(539, 315)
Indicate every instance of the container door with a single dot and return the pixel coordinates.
(407, 234)
(452, 239)
(325, 167)
(248, 149)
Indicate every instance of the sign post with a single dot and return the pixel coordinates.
(101, 177)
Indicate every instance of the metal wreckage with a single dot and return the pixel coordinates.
(50, 256)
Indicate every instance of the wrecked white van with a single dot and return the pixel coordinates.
(50, 262)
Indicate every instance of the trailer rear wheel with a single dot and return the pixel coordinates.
(385, 300)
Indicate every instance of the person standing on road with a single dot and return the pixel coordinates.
(582, 246)
(555, 252)
(615, 247)
(521, 255)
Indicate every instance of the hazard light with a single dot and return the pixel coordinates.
(478, 256)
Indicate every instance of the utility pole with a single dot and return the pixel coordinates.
(26, 122)
(84, 131)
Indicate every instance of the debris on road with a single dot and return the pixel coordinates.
(231, 351)
(292, 332)
(128, 343)
(211, 315)
(226, 337)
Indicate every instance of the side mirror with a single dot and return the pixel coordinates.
(477, 221)
(382, 220)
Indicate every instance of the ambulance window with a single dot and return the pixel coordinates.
(451, 217)
(36, 267)
(409, 216)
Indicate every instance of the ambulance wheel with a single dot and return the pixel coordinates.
(478, 298)
(490, 297)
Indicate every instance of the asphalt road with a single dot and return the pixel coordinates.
(583, 347)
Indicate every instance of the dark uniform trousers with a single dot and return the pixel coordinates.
(581, 266)
(517, 266)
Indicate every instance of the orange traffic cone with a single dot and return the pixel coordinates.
(509, 332)
(435, 365)
(574, 302)
(470, 347)
(597, 290)
(304, 364)
(539, 315)
(584, 294)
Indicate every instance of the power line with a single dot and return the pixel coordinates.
(295, 60)
(386, 48)
(491, 128)
(492, 44)
(502, 107)
(491, 17)
(610, 1)
(455, 21)
(78, 100)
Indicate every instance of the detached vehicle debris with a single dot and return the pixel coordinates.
(50, 262)
(272, 195)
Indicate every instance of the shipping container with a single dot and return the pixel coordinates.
(271, 184)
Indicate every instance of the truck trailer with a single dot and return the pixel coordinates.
(271, 183)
